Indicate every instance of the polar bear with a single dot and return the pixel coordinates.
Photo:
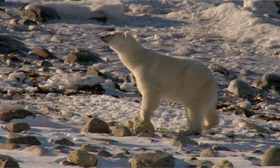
(180, 79)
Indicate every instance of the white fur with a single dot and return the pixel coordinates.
(179, 79)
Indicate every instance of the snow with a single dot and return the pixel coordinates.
(231, 34)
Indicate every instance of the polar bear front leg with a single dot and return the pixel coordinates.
(150, 102)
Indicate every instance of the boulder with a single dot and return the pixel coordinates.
(9, 146)
(271, 157)
(89, 148)
(37, 150)
(39, 13)
(64, 141)
(104, 153)
(82, 57)
(241, 88)
(7, 162)
(95, 125)
(268, 81)
(13, 113)
(182, 141)
(9, 44)
(223, 163)
(42, 53)
(17, 127)
(157, 159)
(208, 153)
(25, 140)
(82, 158)
(121, 131)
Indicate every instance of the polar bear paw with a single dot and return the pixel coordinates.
(189, 132)
(138, 121)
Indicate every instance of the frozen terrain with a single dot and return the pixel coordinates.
(244, 39)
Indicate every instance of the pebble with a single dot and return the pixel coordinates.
(182, 141)
(208, 153)
(271, 157)
(95, 125)
(82, 158)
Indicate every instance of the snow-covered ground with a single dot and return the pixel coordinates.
(243, 39)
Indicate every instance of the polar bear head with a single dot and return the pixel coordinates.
(118, 41)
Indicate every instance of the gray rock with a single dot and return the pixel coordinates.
(37, 150)
(119, 155)
(208, 153)
(64, 141)
(182, 141)
(145, 134)
(44, 63)
(26, 22)
(223, 164)
(8, 162)
(253, 126)
(25, 140)
(9, 146)
(241, 88)
(104, 153)
(200, 163)
(268, 81)
(219, 69)
(82, 158)
(39, 13)
(157, 159)
(140, 128)
(271, 157)
(89, 148)
(8, 114)
(93, 71)
(17, 127)
(42, 53)
(95, 125)
(8, 44)
(82, 57)
(121, 131)
(221, 148)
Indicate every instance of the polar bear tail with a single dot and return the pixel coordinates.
(211, 118)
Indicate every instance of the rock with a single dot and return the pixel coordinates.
(253, 126)
(157, 159)
(95, 125)
(245, 104)
(93, 71)
(89, 148)
(82, 57)
(17, 127)
(44, 63)
(25, 140)
(119, 155)
(139, 128)
(271, 157)
(104, 153)
(17, 76)
(221, 148)
(40, 13)
(223, 164)
(241, 88)
(8, 44)
(268, 81)
(121, 131)
(37, 150)
(82, 158)
(208, 153)
(42, 53)
(219, 69)
(64, 141)
(129, 124)
(182, 141)
(8, 114)
(67, 163)
(61, 148)
(200, 163)
(9, 146)
(8, 162)
(26, 22)
(145, 134)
